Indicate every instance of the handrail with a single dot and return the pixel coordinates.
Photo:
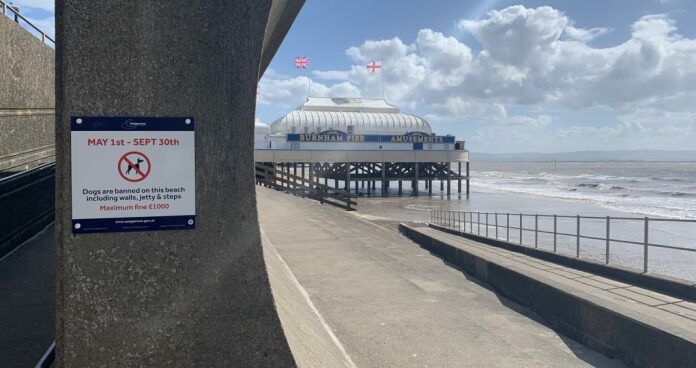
(486, 224)
(17, 16)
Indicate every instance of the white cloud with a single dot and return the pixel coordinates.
(585, 35)
(531, 58)
(281, 91)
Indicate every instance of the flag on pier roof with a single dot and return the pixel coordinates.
(374, 66)
(301, 62)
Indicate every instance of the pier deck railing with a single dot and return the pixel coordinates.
(555, 231)
(267, 175)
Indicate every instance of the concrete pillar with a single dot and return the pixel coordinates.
(182, 297)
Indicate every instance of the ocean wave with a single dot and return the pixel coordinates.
(674, 207)
(421, 207)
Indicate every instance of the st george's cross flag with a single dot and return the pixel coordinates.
(373, 66)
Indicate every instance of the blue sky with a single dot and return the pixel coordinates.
(503, 75)
(612, 75)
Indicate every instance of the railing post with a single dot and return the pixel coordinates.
(555, 222)
(496, 225)
(577, 238)
(459, 221)
(478, 223)
(507, 226)
(520, 229)
(645, 247)
(486, 224)
(536, 231)
(606, 253)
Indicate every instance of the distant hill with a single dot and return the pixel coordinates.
(636, 155)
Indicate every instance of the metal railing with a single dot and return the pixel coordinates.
(7, 9)
(512, 228)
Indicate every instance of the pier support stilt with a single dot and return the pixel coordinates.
(459, 177)
(400, 184)
(415, 182)
(467, 180)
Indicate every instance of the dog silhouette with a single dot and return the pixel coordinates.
(137, 166)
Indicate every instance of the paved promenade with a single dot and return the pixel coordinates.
(390, 303)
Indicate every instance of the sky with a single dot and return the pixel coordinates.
(505, 76)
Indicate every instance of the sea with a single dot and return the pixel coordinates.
(627, 192)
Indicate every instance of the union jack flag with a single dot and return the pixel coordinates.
(301, 62)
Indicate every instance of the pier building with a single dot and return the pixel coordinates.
(358, 143)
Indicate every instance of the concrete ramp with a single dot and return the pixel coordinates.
(389, 302)
(311, 340)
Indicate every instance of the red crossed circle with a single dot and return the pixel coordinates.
(140, 174)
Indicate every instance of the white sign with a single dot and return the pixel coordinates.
(132, 174)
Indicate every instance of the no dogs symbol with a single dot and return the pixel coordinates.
(134, 166)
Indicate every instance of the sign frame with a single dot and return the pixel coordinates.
(106, 158)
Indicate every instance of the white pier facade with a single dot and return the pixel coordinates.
(355, 142)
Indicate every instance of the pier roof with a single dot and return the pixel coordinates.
(366, 116)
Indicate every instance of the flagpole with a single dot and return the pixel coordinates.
(382, 76)
(309, 80)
